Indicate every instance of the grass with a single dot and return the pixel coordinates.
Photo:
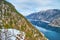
(25, 26)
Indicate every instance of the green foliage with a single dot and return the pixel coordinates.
(23, 28)
(28, 35)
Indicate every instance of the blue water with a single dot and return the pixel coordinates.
(52, 33)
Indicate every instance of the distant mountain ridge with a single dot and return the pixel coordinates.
(48, 15)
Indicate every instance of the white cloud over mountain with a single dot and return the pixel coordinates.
(29, 6)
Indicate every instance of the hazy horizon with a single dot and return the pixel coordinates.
(26, 7)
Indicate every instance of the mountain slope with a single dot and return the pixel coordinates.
(56, 22)
(10, 18)
(46, 16)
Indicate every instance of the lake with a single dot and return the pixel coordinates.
(52, 33)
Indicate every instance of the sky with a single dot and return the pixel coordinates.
(26, 7)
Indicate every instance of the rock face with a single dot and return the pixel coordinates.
(11, 19)
(55, 22)
(47, 16)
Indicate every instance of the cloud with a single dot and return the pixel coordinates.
(29, 6)
(43, 2)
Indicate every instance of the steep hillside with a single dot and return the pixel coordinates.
(47, 16)
(11, 19)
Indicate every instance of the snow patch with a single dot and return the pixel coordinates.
(11, 34)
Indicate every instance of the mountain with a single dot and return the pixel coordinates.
(11, 19)
(48, 22)
(55, 22)
(50, 16)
